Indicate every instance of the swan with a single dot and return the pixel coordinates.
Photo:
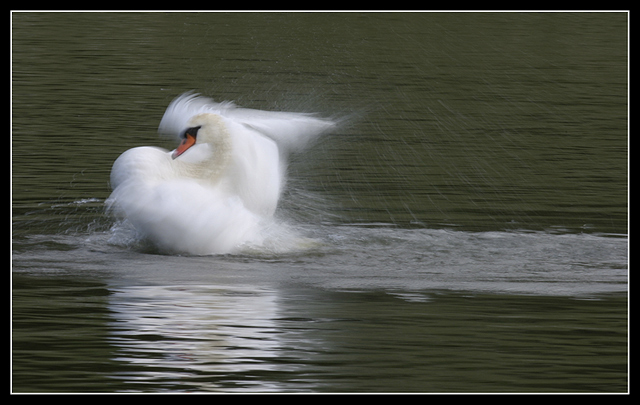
(219, 189)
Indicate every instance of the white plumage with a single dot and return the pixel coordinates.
(219, 189)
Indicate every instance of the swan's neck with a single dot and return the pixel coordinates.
(214, 160)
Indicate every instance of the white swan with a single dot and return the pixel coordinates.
(219, 189)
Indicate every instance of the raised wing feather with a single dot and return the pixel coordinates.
(291, 131)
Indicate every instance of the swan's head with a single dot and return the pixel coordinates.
(203, 128)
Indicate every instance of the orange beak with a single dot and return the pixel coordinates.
(187, 142)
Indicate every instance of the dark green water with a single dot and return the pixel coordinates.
(471, 210)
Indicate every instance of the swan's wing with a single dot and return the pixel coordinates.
(143, 162)
(185, 106)
(292, 131)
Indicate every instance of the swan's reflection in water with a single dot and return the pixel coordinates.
(203, 337)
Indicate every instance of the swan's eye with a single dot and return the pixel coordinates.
(193, 131)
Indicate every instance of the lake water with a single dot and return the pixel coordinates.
(467, 220)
